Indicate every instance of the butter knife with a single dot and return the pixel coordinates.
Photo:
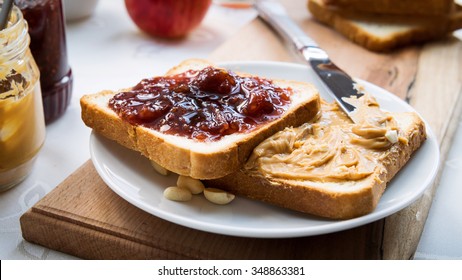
(338, 83)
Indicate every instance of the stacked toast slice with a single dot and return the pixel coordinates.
(385, 25)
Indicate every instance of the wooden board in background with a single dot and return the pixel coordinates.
(85, 218)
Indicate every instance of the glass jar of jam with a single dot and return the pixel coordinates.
(48, 46)
(22, 124)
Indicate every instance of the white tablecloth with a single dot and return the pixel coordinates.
(106, 51)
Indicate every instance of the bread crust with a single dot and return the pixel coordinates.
(418, 29)
(317, 198)
(181, 159)
(398, 7)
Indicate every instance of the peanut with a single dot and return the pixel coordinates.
(177, 194)
(195, 186)
(161, 170)
(392, 136)
(218, 196)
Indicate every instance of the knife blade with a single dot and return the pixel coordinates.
(338, 83)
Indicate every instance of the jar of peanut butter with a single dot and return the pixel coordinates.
(22, 122)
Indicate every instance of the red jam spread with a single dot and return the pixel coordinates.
(204, 105)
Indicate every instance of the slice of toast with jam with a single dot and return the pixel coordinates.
(199, 120)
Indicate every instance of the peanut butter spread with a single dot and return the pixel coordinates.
(331, 148)
(12, 71)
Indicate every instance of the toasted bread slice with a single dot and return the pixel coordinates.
(292, 176)
(397, 7)
(385, 32)
(188, 156)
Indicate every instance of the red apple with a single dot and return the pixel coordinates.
(167, 18)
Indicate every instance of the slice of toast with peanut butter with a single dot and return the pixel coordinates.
(331, 167)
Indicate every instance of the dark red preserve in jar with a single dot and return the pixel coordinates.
(48, 46)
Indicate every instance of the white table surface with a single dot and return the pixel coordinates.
(106, 51)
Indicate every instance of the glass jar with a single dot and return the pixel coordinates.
(48, 46)
(22, 124)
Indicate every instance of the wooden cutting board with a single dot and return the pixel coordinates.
(83, 217)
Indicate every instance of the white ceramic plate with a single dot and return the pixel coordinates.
(131, 176)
